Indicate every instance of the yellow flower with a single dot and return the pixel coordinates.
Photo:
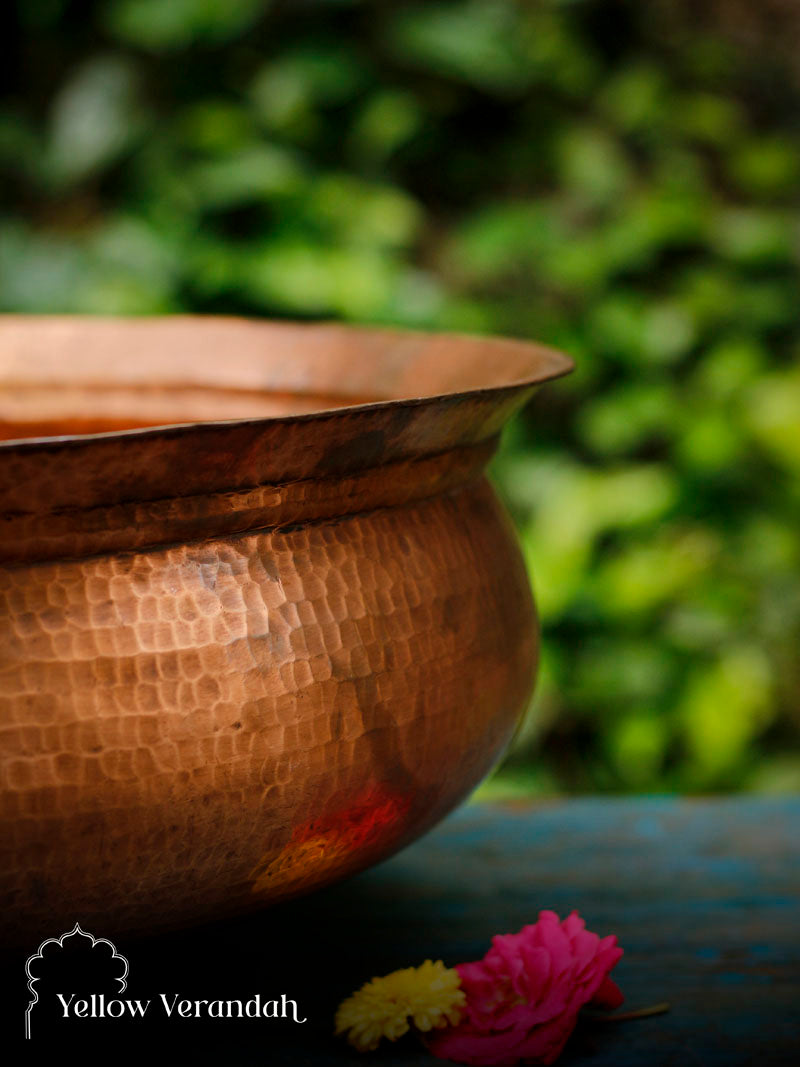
(430, 996)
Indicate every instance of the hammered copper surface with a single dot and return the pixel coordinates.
(240, 659)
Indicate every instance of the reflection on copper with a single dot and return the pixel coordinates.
(326, 843)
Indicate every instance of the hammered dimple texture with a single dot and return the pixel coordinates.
(191, 730)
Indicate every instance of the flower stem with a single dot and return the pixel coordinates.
(626, 1016)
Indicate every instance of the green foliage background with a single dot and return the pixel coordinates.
(596, 175)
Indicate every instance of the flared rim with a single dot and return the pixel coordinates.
(32, 345)
(75, 494)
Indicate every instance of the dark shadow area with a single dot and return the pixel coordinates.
(702, 895)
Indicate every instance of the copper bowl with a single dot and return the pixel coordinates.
(262, 618)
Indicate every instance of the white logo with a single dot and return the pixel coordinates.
(76, 930)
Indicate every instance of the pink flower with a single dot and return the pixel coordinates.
(524, 996)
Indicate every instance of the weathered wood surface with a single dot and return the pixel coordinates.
(704, 896)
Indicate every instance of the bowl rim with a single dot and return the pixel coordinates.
(121, 490)
(547, 364)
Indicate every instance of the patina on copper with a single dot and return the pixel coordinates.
(262, 618)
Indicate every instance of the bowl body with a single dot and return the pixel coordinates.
(262, 618)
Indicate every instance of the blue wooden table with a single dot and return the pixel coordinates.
(704, 896)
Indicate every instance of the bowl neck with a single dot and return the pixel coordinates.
(128, 526)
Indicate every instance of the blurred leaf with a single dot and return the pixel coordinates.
(616, 325)
(643, 576)
(630, 496)
(215, 126)
(693, 625)
(637, 744)
(127, 246)
(623, 420)
(387, 121)
(166, 25)
(95, 118)
(781, 774)
(751, 236)
(475, 40)
(767, 304)
(499, 238)
(510, 784)
(708, 118)
(20, 146)
(38, 272)
(710, 441)
(725, 706)
(773, 414)
(331, 74)
(256, 173)
(288, 92)
(315, 279)
(363, 213)
(730, 366)
(575, 506)
(593, 165)
(554, 54)
(770, 545)
(767, 167)
(668, 332)
(579, 264)
(634, 97)
(619, 671)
